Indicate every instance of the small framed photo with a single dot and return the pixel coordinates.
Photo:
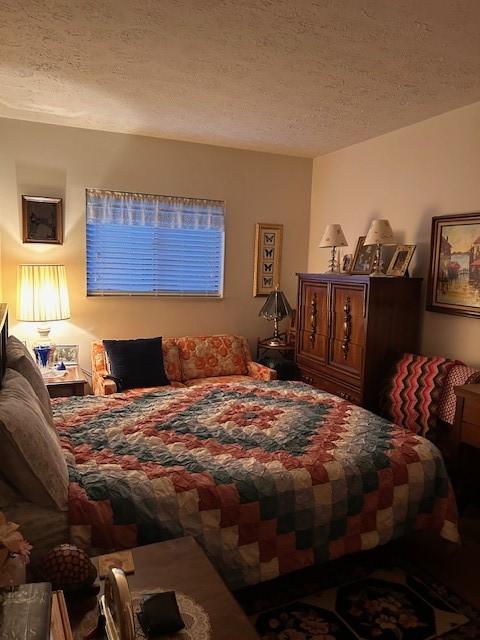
(346, 263)
(268, 256)
(362, 263)
(401, 259)
(42, 220)
(66, 353)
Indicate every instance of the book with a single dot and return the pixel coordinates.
(120, 560)
(25, 611)
(60, 628)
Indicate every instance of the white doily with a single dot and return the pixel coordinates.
(197, 622)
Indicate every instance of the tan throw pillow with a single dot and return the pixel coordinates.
(19, 358)
(7, 495)
(31, 459)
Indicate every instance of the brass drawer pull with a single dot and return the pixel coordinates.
(347, 327)
(313, 319)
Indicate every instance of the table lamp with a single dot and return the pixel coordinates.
(380, 233)
(276, 308)
(334, 237)
(42, 296)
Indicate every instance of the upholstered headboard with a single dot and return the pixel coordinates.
(3, 339)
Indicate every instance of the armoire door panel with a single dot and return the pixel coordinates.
(348, 307)
(314, 321)
(349, 360)
(313, 344)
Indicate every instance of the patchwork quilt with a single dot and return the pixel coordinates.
(269, 477)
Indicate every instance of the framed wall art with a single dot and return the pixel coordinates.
(42, 220)
(401, 259)
(347, 263)
(66, 353)
(268, 256)
(362, 263)
(454, 277)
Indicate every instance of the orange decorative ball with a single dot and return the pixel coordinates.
(68, 568)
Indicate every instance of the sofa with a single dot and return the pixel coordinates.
(191, 361)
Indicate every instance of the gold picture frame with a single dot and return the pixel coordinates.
(401, 259)
(268, 257)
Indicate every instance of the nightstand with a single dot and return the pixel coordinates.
(71, 384)
(466, 431)
(278, 357)
(284, 349)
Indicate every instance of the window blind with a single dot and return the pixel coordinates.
(140, 244)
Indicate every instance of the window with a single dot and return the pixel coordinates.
(140, 244)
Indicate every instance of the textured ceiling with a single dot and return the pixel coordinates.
(286, 76)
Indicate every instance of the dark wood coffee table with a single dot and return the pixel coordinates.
(182, 565)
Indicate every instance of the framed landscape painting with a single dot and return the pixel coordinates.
(454, 279)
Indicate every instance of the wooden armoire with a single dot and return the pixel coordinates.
(351, 329)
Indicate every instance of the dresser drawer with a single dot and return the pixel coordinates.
(337, 388)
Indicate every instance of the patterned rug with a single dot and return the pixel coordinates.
(387, 604)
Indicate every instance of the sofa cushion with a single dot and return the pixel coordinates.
(136, 363)
(31, 459)
(196, 382)
(171, 360)
(209, 356)
(19, 359)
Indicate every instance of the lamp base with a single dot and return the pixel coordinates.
(378, 263)
(44, 348)
(333, 262)
(275, 341)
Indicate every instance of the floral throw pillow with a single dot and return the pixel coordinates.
(208, 356)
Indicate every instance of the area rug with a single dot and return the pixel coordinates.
(388, 604)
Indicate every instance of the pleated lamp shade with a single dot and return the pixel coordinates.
(42, 293)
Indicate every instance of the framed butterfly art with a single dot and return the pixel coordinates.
(268, 256)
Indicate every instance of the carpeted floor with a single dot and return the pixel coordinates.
(379, 595)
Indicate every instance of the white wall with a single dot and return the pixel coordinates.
(408, 176)
(48, 160)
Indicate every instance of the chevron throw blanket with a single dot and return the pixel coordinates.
(411, 398)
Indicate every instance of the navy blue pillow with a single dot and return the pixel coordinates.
(136, 363)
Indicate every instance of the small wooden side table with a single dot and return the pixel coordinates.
(466, 426)
(284, 349)
(178, 565)
(71, 384)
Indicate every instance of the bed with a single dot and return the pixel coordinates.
(269, 477)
